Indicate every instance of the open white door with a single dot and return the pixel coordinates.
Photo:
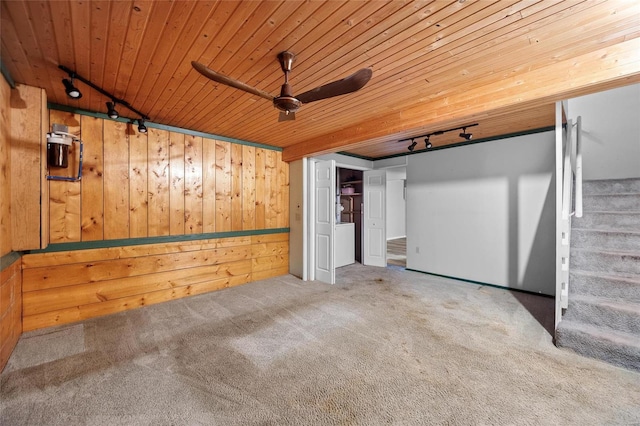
(374, 246)
(325, 220)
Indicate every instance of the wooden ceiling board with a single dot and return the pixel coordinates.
(436, 64)
(531, 65)
(409, 86)
(271, 76)
(599, 70)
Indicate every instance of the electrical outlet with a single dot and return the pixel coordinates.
(418, 250)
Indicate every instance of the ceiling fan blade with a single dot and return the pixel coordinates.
(286, 117)
(223, 79)
(349, 84)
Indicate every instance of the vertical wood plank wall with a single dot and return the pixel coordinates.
(10, 277)
(5, 168)
(163, 183)
(160, 184)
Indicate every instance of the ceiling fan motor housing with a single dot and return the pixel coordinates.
(286, 101)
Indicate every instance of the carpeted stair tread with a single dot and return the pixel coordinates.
(607, 219)
(618, 262)
(611, 186)
(614, 315)
(620, 201)
(602, 319)
(607, 239)
(614, 347)
(602, 284)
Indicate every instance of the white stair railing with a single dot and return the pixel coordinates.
(571, 200)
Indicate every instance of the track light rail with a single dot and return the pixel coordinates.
(440, 132)
(74, 75)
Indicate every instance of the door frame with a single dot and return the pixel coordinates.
(309, 219)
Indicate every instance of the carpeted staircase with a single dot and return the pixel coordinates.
(603, 317)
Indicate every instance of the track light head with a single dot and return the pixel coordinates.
(111, 110)
(413, 145)
(72, 91)
(141, 127)
(465, 135)
(427, 143)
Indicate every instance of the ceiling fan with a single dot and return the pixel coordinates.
(286, 102)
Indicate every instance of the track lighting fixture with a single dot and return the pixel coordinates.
(111, 110)
(141, 127)
(427, 142)
(71, 90)
(465, 135)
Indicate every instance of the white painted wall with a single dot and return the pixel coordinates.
(611, 132)
(297, 211)
(485, 212)
(396, 203)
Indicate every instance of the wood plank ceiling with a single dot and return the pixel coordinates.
(436, 64)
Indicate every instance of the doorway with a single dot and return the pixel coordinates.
(397, 252)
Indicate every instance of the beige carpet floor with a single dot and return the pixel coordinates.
(383, 346)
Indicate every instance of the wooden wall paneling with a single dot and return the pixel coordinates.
(116, 180)
(78, 313)
(30, 261)
(193, 184)
(223, 186)
(92, 179)
(138, 185)
(271, 190)
(44, 183)
(208, 185)
(269, 256)
(248, 187)
(46, 300)
(5, 167)
(176, 181)
(282, 220)
(65, 274)
(236, 187)
(159, 209)
(64, 196)
(10, 310)
(26, 140)
(260, 187)
(69, 286)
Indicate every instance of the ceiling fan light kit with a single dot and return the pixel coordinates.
(287, 103)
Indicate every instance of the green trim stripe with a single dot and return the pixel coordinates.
(9, 259)
(457, 145)
(85, 245)
(161, 126)
(479, 283)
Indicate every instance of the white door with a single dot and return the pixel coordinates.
(374, 233)
(325, 220)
